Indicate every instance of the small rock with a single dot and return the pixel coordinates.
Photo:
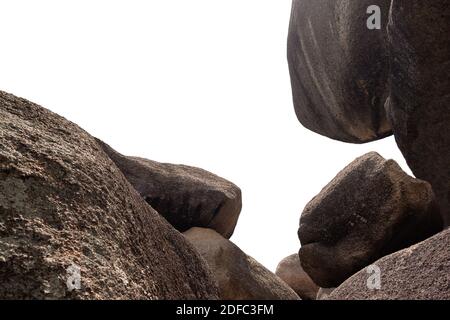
(291, 272)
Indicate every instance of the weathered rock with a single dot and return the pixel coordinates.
(290, 271)
(370, 209)
(324, 293)
(419, 103)
(186, 196)
(64, 202)
(420, 272)
(239, 276)
(339, 68)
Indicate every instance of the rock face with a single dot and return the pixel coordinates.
(291, 272)
(370, 209)
(419, 104)
(339, 68)
(420, 272)
(239, 276)
(186, 196)
(63, 203)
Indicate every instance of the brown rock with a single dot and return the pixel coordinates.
(420, 272)
(339, 68)
(186, 196)
(64, 202)
(370, 209)
(291, 272)
(419, 104)
(239, 276)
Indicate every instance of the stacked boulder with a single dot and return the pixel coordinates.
(72, 227)
(205, 208)
(370, 209)
(78, 220)
(356, 85)
(338, 69)
(186, 196)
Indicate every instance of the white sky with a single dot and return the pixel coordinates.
(198, 82)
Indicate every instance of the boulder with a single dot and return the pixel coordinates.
(72, 227)
(339, 68)
(291, 272)
(419, 103)
(186, 196)
(239, 276)
(324, 293)
(420, 272)
(370, 209)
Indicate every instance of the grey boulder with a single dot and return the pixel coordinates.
(72, 227)
(419, 103)
(186, 196)
(370, 209)
(339, 68)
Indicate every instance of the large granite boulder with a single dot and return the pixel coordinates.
(72, 227)
(420, 272)
(290, 271)
(370, 209)
(419, 103)
(339, 68)
(186, 196)
(239, 276)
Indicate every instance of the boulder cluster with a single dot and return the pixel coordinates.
(79, 220)
(71, 206)
(354, 84)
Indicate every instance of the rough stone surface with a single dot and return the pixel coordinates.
(339, 68)
(370, 209)
(239, 276)
(290, 271)
(64, 202)
(420, 272)
(419, 104)
(186, 196)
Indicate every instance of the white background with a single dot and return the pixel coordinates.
(199, 82)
